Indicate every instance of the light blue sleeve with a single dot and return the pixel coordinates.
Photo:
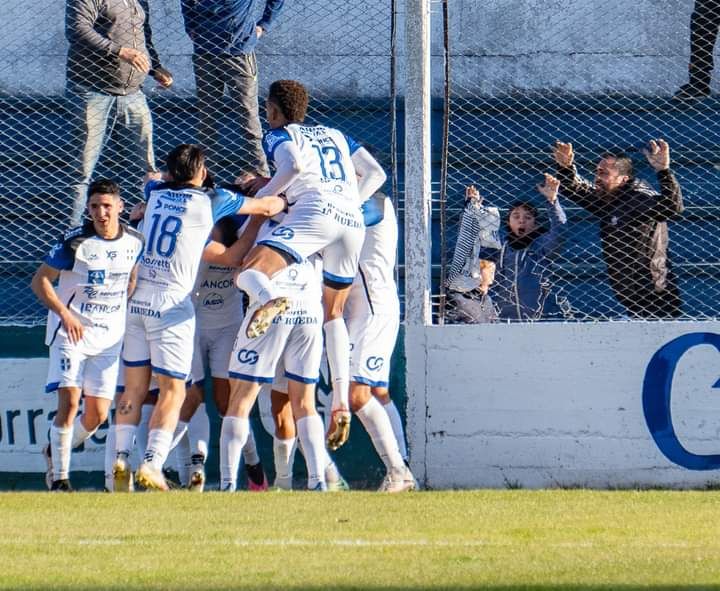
(225, 202)
(353, 145)
(272, 139)
(151, 186)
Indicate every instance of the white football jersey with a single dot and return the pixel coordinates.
(176, 226)
(327, 167)
(374, 289)
(218, 303)
(94, 275)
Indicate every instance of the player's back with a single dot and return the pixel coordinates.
(326, 162)
(176, 226)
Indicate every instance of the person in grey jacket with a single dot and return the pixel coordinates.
(523, 287)
(110, 53)
(224, 35)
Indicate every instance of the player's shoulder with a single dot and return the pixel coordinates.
(74, 237)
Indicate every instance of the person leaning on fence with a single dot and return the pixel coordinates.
(109, 56)
(523, 288)
(224, 35)
(471, 273)
(633, 225)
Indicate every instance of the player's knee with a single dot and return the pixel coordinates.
(359, 396)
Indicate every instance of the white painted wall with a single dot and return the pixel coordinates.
(342, 48)
(551, 405)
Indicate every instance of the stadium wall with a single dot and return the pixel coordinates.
(496, 49)
(619, 404)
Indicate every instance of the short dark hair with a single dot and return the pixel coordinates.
(623, 162)
(103, 187)
(185, 161)
(291, 98)
(526, 205)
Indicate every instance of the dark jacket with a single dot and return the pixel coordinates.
(96, 30)
(523, 288)
(634, 237)
(226, 26)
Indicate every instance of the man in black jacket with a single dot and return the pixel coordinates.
(109, 56)
(633, 226)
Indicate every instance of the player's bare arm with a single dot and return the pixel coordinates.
(42, 286)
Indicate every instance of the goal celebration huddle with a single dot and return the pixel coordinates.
(139, 315)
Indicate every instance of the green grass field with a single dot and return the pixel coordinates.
(568, 539)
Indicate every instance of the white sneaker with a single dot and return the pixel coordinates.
(339, 429)
(151, 478)
(264, 316)
(398, 481)
(196, 482)
(283, 483)
(122, 474)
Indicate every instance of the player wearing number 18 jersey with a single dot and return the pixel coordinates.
(179, 216)
(326, 177)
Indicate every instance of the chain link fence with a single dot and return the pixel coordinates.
(606, 78)
(71, 113)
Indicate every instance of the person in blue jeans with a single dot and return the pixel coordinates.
(224, 35)
(523, 288)
(109, 56)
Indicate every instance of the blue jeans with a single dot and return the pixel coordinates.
(95, 125)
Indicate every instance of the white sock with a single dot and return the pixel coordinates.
(257, 285)
(109, 457)
(397, 427)
(141, 436)
(377, 424)
(158, 447)
(199, 432)
(80, 434)
(60, 448)
(311, 433)
(284, 457)
(180, 432)
(125, 439)
(337, 346)
(182, 453)
(332, 474)
(233, 434)
(250, 454)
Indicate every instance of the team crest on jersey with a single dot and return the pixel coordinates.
(248, 356)
(284, 232)
(374, 363)
(96, 277)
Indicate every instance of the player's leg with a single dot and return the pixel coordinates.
(61, 434)
(235, 430)
(221, 395)
(310, 431)
(99, 384)
(382, 394)
(199, 437)
(284, 437)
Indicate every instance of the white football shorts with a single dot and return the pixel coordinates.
(214, 345)
(96, 375)
(372, 341)
(334, 229)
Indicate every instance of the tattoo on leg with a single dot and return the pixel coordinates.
(125, 407)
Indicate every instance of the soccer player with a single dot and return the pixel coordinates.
(294, 339)
(96, 268)
(161, 321)
(326, 176)
(372, 315)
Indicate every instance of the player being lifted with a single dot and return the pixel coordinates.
(372, 315)
(96, 269)
(326, 176)
(161, 322)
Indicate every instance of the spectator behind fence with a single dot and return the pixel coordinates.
(703, 36)
(524, 288)
(109, 56)
(633, 225)
(224, 35)
(471, 271)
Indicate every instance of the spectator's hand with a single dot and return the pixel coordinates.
(473, 195)
(658, 154)
(137, 212)
(163, 77)
(563, 154)
(550, 188)
(73, 327)
(137, 59)
(259, 31)
(487, 276)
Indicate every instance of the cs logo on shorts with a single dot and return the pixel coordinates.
(96, 277)
(284, 232)
(248, 356)
(374, 363)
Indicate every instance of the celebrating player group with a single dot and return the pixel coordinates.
(137, 315)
